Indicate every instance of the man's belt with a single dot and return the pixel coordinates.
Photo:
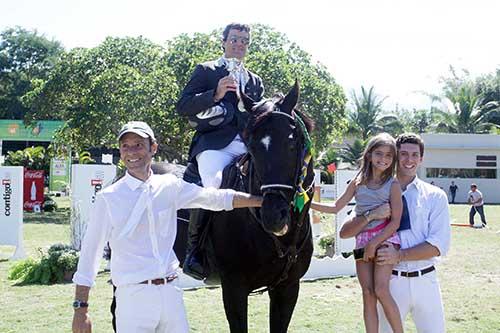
(159, 281)
(414, 273)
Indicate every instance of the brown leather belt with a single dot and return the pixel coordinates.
(159, 281)
(415, 273)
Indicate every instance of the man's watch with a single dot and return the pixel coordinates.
(77, 304)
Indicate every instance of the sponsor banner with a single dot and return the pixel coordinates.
(11, 205)
(15, 130)
(59, 174)
(86, 181)
(33, 189)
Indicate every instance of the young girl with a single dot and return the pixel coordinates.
(373, 186)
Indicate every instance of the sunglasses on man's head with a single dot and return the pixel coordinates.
(235, 39)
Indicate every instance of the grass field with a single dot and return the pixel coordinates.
(469, 276)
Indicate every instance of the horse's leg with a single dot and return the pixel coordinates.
(235, 297)
(283, 299)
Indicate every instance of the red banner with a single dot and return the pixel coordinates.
(33, 188)
(331, 168)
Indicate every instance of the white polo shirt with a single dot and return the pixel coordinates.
(430, 222)
(142, 248)
(477, 197)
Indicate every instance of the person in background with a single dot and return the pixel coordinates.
(475, 199)
(453, 191)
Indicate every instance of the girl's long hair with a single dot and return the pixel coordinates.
(365, 172)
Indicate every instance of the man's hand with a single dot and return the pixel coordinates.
(81, 321)
(227, 83)
(369, 254)
(380, 213)
(388, 254)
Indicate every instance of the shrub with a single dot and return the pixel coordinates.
(53, 266)
(326, 241)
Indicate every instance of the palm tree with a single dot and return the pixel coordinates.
(466, 111)
(367, 119)
(353, 152)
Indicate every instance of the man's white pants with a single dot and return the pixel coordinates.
(143, 308)
(211, 163)
(421, 297)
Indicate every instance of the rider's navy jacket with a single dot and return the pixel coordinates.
(198, 96)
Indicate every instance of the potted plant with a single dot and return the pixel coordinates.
(56, 265)
(327, 243)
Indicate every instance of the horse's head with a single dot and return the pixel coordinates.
(276, 141)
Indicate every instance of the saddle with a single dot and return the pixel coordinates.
(233, 177)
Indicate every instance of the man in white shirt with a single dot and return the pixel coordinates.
(137, 215)
(414, 285)
(475, 198)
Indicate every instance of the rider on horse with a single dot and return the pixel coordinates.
(210, 100)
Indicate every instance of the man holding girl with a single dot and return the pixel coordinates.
(411, 257)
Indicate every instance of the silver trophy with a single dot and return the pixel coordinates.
(235, 67)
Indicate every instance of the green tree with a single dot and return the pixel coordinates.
(279, 62)
(353, 152)
(325, 158)
(415, 121)
(466, 112)
(96, 90)
(488, 86)
(367, 118)
(469, 105)
(24, 56)
(33, 158)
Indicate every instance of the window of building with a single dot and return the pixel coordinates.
(461, 173)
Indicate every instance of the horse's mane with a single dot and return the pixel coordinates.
(263, 109)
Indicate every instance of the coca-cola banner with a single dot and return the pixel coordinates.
(33, 189)
(11, 208)
(86, 181)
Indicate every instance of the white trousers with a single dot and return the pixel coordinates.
(143, 308)
(421, 297)
(211, 163)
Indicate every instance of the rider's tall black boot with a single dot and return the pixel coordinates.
(193, 264)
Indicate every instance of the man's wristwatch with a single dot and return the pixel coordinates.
(77, 304)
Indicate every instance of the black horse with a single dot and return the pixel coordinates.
(268, 248)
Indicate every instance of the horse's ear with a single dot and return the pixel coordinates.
(291, 99)
(248, 102)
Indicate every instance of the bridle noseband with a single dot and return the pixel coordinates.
(277, 188)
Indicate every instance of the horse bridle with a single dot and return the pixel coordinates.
(277, 188)
(291, 251)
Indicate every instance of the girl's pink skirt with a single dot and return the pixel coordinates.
(366, 236)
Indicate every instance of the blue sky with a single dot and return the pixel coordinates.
(400, 47)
